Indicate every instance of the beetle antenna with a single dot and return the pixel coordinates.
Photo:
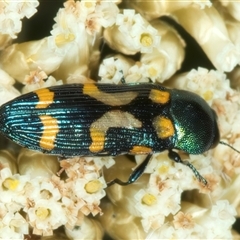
(226, 144)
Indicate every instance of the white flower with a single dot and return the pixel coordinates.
(72, 38)
(148, 203)
(110, 70)
(66, 31)
(186, 221)
(101, 161)
(94, 14)
(154, 207)
(223, 212)
(48, 191)
(16, 223)
(72, 213)
(79, 167)
(90, 188)
(45, 216)
(24, 8)
(132, 34)
(146, 39)
(3, 211)
(202, 162)
(107, 12)
(127, 19)
(12, 187)
(154, 65)
(162, 165)
(208, 84)
(85, 6)
(10, 24)
(8, 233)
(137, 73)
(113, 69)
(12, 13)
(152, 222)
(167, 58)
(12, 224)
(35, 80)
(227, 114)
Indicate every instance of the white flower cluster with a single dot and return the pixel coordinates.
(49, 202)
(167, 202)
(11, 14)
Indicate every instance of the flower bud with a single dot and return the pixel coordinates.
(37, 164)
(90, 229)
(131, 34)
(153, 9)
(8, 160)
(120, 224)
(208, 28)
(162, 63)
(20, 59)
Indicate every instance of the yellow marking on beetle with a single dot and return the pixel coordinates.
(50, 130)
(116, 119)
(141, 150)
(98, 139)
(112, 99)
(159, 96)
(163, 126)
(45, 98)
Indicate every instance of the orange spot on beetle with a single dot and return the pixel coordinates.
(159, 96)
(98, 139)
(164, 127)
(45, 98)
(50, 130)
(140, 150)
(90, 89)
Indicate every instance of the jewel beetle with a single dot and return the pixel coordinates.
(95, 119)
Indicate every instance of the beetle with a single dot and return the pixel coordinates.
(95, 119)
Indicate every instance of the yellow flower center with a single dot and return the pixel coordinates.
(146, 40)
(93, 186)
(10, 184)
(208, 95)
(62, 39)
(42, 213)
(152, 72)
(163, 169)
(89, 4)
(149, 199)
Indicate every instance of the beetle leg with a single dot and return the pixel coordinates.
(137, 172)
(60, 158)
(175, 157)
(122, 80)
